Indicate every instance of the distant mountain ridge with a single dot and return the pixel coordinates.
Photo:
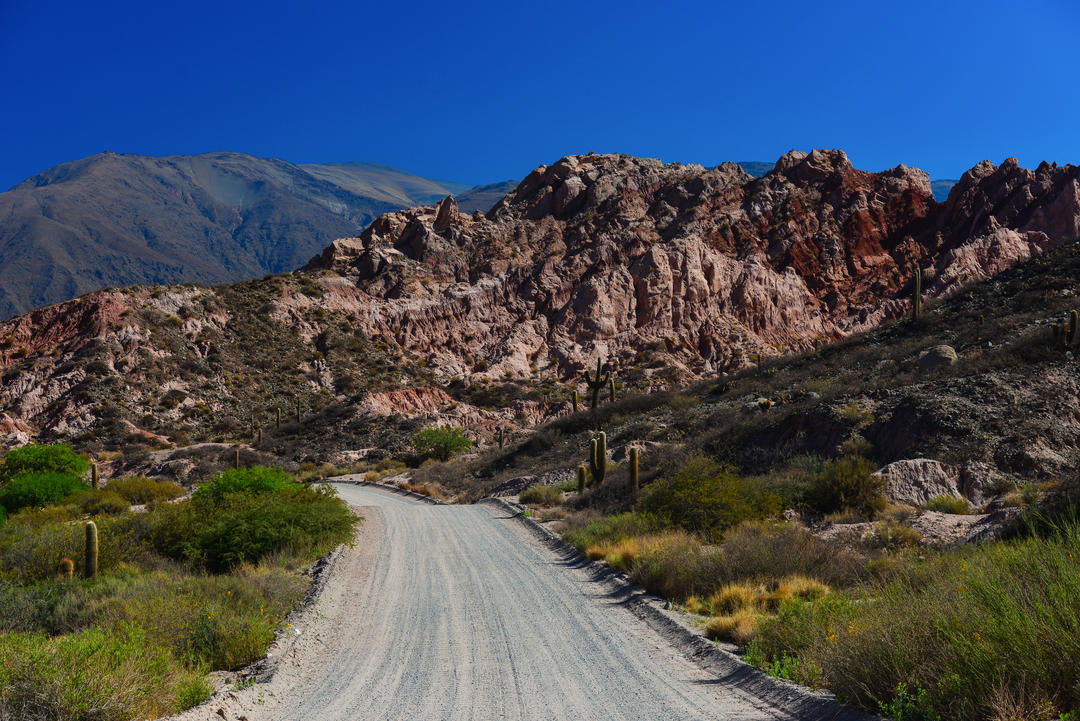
(112, 219)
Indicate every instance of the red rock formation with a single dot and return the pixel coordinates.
(618, 256)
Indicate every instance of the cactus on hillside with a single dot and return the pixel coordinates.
(598, 458)
(574, 398)
(581, 471)
(91, 549)
(237, 449)
(634, 454)
(611, 389)
(916, 298)
(597, 384)
(93, 475)
(278, 417)
(1074, 321)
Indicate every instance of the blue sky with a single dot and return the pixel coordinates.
(478, 92)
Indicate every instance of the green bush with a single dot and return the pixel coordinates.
(139, 490)
(703, 498)
(541, 495)
(442, 443)
(256, 479)
(35, 457)
(246, 528)
(99, 502)
(37, 488)
(848, 484)
(3, 516)
(608, 529)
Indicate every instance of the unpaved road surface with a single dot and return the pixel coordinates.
(458, 613)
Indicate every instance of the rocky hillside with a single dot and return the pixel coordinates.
(119, 219)
(656, 266)
(668, 271)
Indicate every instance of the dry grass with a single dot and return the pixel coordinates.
(424, 489)
(621, 554)
(739, 627)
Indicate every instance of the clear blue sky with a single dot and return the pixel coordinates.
(478, 92)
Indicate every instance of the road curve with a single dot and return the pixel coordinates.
(457, 613)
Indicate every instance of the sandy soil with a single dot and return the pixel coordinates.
(457, 612)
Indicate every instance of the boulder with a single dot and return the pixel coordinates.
(917, 480)
(936, 358)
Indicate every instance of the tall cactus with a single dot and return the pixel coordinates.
(258, 441)
(916, 299)
(581, 471)
(1074, 321)
(94, 475)
(278, 425)
(611, 389)
(237, 449)
(597, 384)
(91, 549)
(634, 469)
(574, 398)
(598, 458)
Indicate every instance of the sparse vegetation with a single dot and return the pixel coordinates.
(541, 495)
(181, 589)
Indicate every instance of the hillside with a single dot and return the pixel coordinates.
(669, 272)
(120, 219)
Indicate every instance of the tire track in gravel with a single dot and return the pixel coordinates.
(457, 613)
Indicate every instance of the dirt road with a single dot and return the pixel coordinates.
(457, 613)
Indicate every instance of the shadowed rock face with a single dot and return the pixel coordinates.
(616, 256)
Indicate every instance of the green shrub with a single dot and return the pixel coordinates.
(37, 488)
(256, 479)
(701, 497)
(246, 528)
(99, 502)
(3, 516)
(848, 484)
(36, 457)
(93, 674)
(442, 443)
(949, 504)
(139, 490)
(541, 495)
(608, 529)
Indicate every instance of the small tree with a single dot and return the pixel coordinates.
(848, 483)
(441, 443)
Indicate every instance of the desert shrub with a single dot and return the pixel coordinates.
(37, 488)
(3, 516)
(673, 566)
(99, 502)
(255, 479)
(441, 443)
(246, 528)
(541, 495)
(948, 504)
(763, 550)
(608, 529)
(141, 490)
(999, 616)
(36, 457)
(845, 484)
(702, 497)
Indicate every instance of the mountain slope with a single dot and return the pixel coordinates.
(120, 219)
(665, 271)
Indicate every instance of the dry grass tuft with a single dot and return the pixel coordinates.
(739, 627)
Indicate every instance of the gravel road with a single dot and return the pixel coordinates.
(457, 612)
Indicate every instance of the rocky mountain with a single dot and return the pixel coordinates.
(666, 271)
(119, 219)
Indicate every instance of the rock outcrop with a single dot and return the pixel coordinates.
(706, 269)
